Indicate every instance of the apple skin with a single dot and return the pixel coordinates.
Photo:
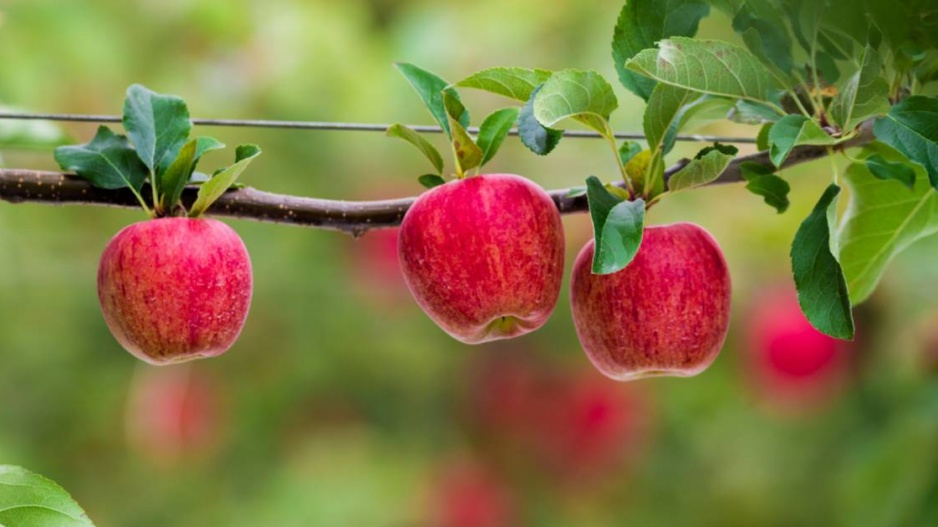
(175, 289)
(664, 314)
(483, 256)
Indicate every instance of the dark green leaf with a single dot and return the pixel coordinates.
(157, 124)
(431, 180)
(108, 161)
(177, 175)
(819, 279)
(911, 127)
(430, 88)
(887, 170)
(617, 227)
(212, 189)
(426, 148)
(763, 182)
(794, 130)
(641, 24)
(514, 83)
(30, 500)
(762, 138)
(864, 95)
(538, 138)
(766, 38)
(493, 130)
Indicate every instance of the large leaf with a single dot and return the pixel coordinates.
(430, 88)
(765, 37)
(493, 130)
(704, 168)
(819, 279)
(882, 219)
(617, 227)
(212, 189)
(30, 500)
(538, 138)
(641, 24)
(791, 131)
(426, 147)
(108, 161)
(157, 124)
(583, 95)
(911, 127)
(514, 83)
(864, 95)
(707, 66)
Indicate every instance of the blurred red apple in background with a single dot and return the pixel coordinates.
(791, 365)
(466, 493)
(483, 256)
(666, 313)
(173, 414)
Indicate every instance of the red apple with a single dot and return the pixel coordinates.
(468, 494)
(175, 289)
(483, 256)
(666, 313)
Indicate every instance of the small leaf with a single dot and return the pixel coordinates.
(108, 161)
(467, 153)
(706, 66)
(637, 170)
(583, 95)
(886, 170)
(864, 95)
(641, 24)
(911, 127)
(430, 88)
(617, 228)
(28, 499)
(426, 148)
(514, 83)
(493, 130)
(576, 192)
(819, 279)
(704, 168)
(663, 114)
(537, 137)
(212, 189)
(762, 181)
(431, 180)
(792, 131)
(628, 150)
(762, 138)
(158, 125)
(750, 112)
(177, 175)
(206, 145)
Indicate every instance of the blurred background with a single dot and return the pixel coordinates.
(342, 404)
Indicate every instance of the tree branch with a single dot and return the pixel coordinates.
(353, 217)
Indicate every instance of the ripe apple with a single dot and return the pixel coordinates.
(666, 313)
(175, 289)
(483, 256)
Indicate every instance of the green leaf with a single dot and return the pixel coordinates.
(911, 127)
(514, 83)
(576, 192)
(206, 145)
(493, 130)
(819, 279)
(30, 500)
(864, 95)
(706, 66)
(617, 227)
(663, 115)
(467, 153)
(430, 88)
(641, 24)
(765, 37)
(628, 150)
(882, 220)
(538, 138)
(158, 125)
(887, 170)
(750, 112)
(431, 180)
(583, 95)
(177, 175)
(794, 130)
(426, 148)
(212, 189)
(108, 161)
(704, 168)
(762, 138)
(762, 181)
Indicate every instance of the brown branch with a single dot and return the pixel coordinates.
(353, 217)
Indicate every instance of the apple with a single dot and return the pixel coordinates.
(483, 256)
(175, 289)
(466, 493)
(666, 313)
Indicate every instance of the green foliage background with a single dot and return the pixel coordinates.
(342, 399)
